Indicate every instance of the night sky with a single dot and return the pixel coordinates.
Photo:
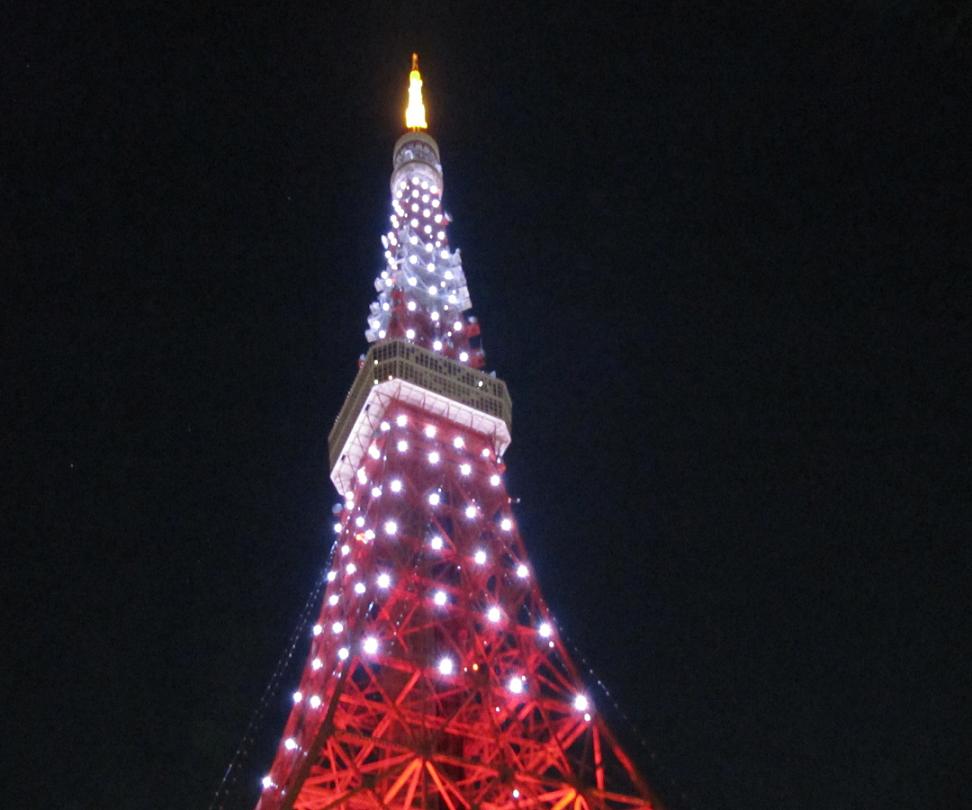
(721, 258)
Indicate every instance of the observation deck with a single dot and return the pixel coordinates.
(399, 370)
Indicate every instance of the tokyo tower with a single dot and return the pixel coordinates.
(436, 676)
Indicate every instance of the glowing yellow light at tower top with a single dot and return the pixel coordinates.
(415, 112)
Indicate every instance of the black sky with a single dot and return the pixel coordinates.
(721, 259)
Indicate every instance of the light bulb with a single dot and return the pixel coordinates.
(337, 627)
(434, 498)
(384, 580)
(494, 480)
(458, 442)
(545, 630)
(434, 457)
(440, 598)
(396, 485)
(506, 524)
(315, 702)
(430, 431)
(317, 629)
(521, 571)
(290, 743)
(446, 666)
(493, 614)
(316, 664)
(581, 703)
(343, 653)
(480, 557)
(465, 469)
(515, 685)
(370, 645)
(401, 420)
(470, 511)
(297, 696)
(391, 527)
(436, 543)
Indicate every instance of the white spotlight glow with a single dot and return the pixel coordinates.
(316, 664)
(384, 580)
(410, 334)
(465, 469)
(401, 420)
(471, 511)
(515, 685)
(506, 524)
(370, 645)
(315, 702)
(494, 480)
(331, 576)
(333, 599)
(434, 457)
(395, 485)
(545, 630)
(436, 543)
(458, 442)
(290, 743)
(337, 627)
(493, 614)
(480, 557)
(446, 666)
(581, 703)
(402, 445)
(391, 527)
(343, 653)
(434, 498)
(440, 598)
(385, 427)
(430, 431)
(359, 588)
(317, 630)
(297, 696)
(521, 571)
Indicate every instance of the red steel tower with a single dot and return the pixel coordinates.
(436, 677)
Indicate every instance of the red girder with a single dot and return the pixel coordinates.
(395, 727)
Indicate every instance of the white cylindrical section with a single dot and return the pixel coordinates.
(416, 154)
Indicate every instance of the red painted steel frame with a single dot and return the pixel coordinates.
(391, 730)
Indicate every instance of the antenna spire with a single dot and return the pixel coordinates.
(415, 112)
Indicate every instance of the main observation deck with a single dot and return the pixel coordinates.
(398, 370)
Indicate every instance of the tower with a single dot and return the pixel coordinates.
(436, 677)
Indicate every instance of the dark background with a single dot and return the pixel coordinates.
(721, 258)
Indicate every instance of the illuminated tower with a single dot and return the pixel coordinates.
(436, 677)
